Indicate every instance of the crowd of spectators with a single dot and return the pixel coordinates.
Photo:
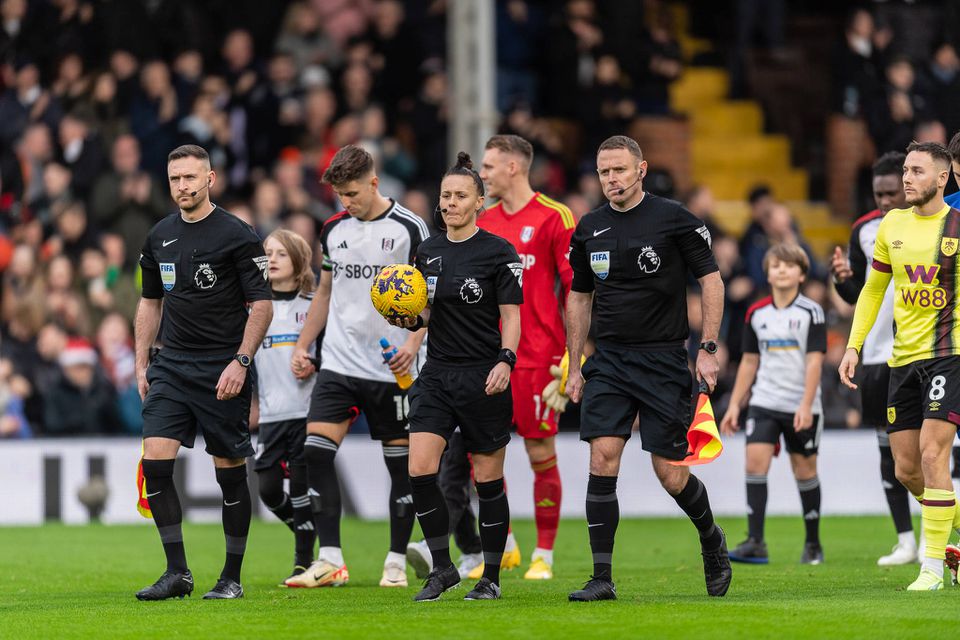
(95, 94)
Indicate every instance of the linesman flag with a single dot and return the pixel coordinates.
(143, 505)
(703, 439)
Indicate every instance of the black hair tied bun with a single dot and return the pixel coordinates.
(464, 161)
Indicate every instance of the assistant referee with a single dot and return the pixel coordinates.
(206, 270)
(630, 259)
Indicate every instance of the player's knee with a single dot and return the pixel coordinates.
(933, 457)
(270, 487)
(422, 467)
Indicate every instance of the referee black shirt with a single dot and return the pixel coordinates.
(636, 261)
(206, 272)
(466, 283)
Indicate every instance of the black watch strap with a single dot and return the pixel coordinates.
(244, 360)
(710, 346)
(508, 356)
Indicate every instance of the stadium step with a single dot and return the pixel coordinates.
(699, 86)
(745, 152)
(730, 118)
(734, 184)
(817, 225)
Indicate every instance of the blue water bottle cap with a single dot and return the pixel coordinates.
(384, 343)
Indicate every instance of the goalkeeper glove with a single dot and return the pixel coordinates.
(555, 393)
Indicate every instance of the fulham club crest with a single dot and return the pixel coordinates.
(526, 233)
(387, 244)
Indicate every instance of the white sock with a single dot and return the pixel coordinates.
(934, 565)
(396, 558)
(333, 555)
(546, 554)
(511, 543)
(906, 539)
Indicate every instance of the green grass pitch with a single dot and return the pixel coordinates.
(78, 582)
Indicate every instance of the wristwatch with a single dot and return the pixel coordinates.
(243, 359)
(508, 356)
(710, 346)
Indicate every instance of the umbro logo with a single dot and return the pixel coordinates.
(342, 245)
(896, 244)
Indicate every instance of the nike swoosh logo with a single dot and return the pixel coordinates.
(680, 444)
(599, 231)
(426, 513)
(155, 493)
(595, 524)
(166, 242)
(432, 260)
(492, 524)
(230, 504)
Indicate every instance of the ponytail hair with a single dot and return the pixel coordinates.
(301, 255)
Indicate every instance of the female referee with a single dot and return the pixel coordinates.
(474, 283)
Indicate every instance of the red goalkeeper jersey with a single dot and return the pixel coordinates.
(540, 232)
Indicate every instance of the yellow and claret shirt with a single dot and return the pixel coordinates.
(920, 254)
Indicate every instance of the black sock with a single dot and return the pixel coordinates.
(898, 498)
(603, 516)
(494, 526)
(304, 533)
(695, 503)
(165, 506)
(324, 488)
(810, 501)
(756, 505)
(431, 511)
(236, 517)
(273, 496)
(402, 513)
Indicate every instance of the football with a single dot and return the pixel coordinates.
(399, 291)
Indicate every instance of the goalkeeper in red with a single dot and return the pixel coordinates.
(917, 248)
(539, 229)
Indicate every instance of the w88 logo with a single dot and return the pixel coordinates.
(924, 297)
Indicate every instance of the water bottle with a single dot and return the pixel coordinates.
(404, 380)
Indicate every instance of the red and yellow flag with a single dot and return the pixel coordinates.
(703, 438)
(143, 505)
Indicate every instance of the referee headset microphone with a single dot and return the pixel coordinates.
(193, 194)
(623, 190)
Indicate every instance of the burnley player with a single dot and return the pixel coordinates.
(539, 229)
(849, 274)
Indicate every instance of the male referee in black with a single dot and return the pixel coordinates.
(630, 259)
(207, 272)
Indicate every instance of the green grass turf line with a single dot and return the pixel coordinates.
(78, 582)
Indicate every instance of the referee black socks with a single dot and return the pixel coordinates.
(695, 503)
(431, 510)
(236, 517)
(603, 516)
(324, 488)
(494, 526)
(165, 506)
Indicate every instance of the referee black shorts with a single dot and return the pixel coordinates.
(442, 399)
(182, 401)
(874, 382)
(280, 441)
(622, 383)
(337, 398)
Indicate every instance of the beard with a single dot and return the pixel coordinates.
(924, 197)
